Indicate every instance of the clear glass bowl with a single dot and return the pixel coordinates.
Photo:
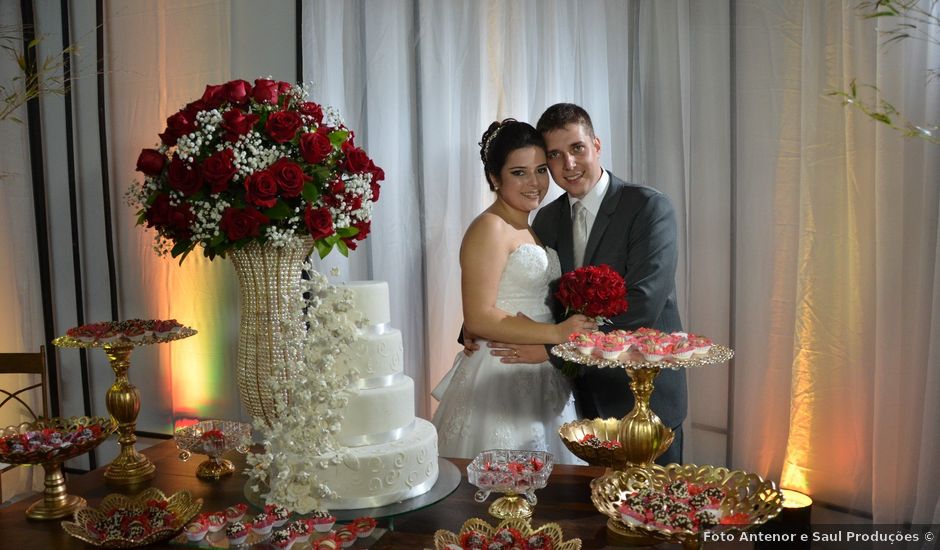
(513, 473)
(213, 438)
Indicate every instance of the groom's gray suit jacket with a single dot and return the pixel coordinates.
(634, 233)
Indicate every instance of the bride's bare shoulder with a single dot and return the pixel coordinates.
(488, 231)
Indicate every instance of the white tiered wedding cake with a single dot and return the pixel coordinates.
(391, 455)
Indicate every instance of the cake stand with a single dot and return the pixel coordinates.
(129, 468)
(50, 442)
(641, 435)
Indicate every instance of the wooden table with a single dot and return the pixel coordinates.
(566, 500)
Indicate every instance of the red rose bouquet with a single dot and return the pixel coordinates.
(255, 162)
(595, 291)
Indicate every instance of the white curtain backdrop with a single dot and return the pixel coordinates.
(836, 316)
(808, 234)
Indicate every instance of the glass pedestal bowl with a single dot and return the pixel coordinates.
(213, 438)
(743, 500)
(516, 474)
(50, 442)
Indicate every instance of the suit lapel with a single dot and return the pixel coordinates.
(565, 240)
(604, 215)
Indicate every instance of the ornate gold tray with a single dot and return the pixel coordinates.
(634, 360)
(443, 538)
(70, 342)
(181, 505)
(754, 499)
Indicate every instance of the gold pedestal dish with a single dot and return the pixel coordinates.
(515, 473)
(213, 438)
(129, 468)
(749, 499)
(641, 435)
(50, 442)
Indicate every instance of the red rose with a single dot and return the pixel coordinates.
(282, 125)
(377, 173)
(177, 125)
(194, 107)
(319, 222)
(290, 177)
(237, 123)
(364, 229)
(158, 213)
(312, 109)
(375, 190)
(261, 189)
(283, 87)
(265, 91)
(219, 169)
(356, 159)
(214, 96)
(315, 146)
(181, 124)
(238, 91)
(350, 243)
(151, 162)
(184, 178)
(180, 219)
(240, 223)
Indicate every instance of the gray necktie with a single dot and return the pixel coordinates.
(579, 232)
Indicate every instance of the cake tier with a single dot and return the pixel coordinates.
(375, 355)
(382, 474)
(378, 415)
(370, 298)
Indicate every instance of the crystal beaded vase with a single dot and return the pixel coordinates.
(269, 287)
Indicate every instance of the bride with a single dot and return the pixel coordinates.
(486, 404)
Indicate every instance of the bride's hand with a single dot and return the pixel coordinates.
(575, 323)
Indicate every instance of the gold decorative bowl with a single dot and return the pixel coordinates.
(749, 497)
(445, 540)
(608, 430)
(50, 442)
(129, 518)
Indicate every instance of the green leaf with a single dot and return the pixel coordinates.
(337, 137)
(323, 248)
(180, 248)
(881, 117)
(348, 232)
(310, 192)
(343, 249)
(279, 211)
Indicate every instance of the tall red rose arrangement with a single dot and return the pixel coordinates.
(595, 291)
(255, 162)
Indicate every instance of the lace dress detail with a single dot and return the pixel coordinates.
(486, 404)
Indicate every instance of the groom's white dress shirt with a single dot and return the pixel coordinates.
(591, 203)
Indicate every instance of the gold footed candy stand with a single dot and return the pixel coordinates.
(629, 446)
(73, 437)
(130, 468)
(640, 436)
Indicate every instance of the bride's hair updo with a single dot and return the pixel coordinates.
(502, 138)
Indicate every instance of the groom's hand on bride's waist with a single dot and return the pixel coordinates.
(469, 342)
(518, 353)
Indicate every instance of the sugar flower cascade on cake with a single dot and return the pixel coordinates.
(255, 162)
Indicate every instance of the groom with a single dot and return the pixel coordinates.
(632, 228)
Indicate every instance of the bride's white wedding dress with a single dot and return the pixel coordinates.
(486, 404)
